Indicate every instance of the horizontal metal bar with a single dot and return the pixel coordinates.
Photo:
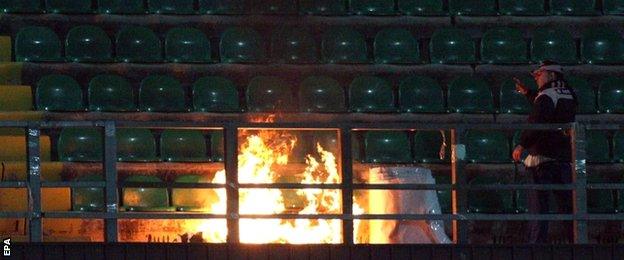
(170, 185)
(605, 186)
(13, 184)
(289, 186)
(4, 214)
(133, 215)
(75, 184)
(20, 124)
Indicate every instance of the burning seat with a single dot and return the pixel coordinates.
(472, 7)
(503, 46)
(420, 94)
(611, 95)
(111, 93)
(373, 7)
(396, 46)
(468, 94)
(68, 6)
(323, 7)
(293, 45)
(553, 44)
(321, 94)
(171, 6)
(344, 45)
(88, 44)
(522, 7)
(88, 199)
(193, 199)
(183, 146)
(215, 94)
(80, 144)
(121, 6)
(368, 94)
(602, 46)
(422, 7)
(511, 101)
(452, 46)
(58, 93)
(138, 44)
(145, 199)
(387, 147)
(187, 45)
(160, 93)
(585, 94)
(217, 151)
(135, 145)
(37, 44)
(241, 45)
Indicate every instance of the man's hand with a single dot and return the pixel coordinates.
(520, 87)
(517, 153)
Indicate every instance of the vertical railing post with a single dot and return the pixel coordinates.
(231, 173)
(110, 171)
(579, 178)
(347, 185)
(458, 179)
(34, 183)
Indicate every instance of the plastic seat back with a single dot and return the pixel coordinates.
(618, 146)
(145, 199)
(80, 145)
(274, 6)
(472, 7)
(138, 44)
(58, 93)
(217, 150)
(428, 144)
(187, 45)
(553, 44)
(613, 7)
(584, 93)
(470, 95)
(241, 45)
(489, 202)
(321, 94)
(611, 95)
(371, 94)
(223, 6)
(37, 44)
(602, 46)
(111, 93)
(344, 45)
(171, 6)
(511, 101)
(269, 94)
(135, 145)
(597, 148)
(422, 7)
(293, 45)
(323, 7)
(372, 7)
(21, 6)
(396, 46)
(88, 44)
(161, 93)
(450, 45)
(387, 147)
(215, 94)
(68, 6)
(121, 7)
(487, 147)
(503, 46)
(183, 146)
(420, 94)
(522, 7)
(88, 199)
(573, 7)
(192, 199)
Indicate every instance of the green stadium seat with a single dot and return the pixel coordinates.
(323, 7)
(396, 46)
(274, 6)
(135, 145)
(420, 94)
(511, 101)
(187, 45)
(372, 7)
(171, 6)
(584, 93)
(80, 145)
(371, 94)
(111, 93)
(293, 45)
(600, 201)
(21, 6)
(503, 46)
(422, 7)
(183, 146)
(489, 202)
(161, 93)
(269, 94)
(469, 94)
(241, 45)
(522, 7)
(138, 44)
(427, 145)
(344, 45)
(121, 7)
(611, 95)
(444, 196)
(145, 199)
(88, 199)
(597, 146)
(553, 44)
(450, 45)
(472, 7)
(321, 94)
(88, 44)
(387, 147)
(602, 46)
(618, 146)
(223, 6)
(573, 7)
(487, 147)
(58, 93)
(68, 6)
(215, 94)
(217, 150)
(613, 7)
(36, 44)
(193, 199)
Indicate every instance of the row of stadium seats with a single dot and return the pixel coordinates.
(323, 7)
(298, 46)
(369, 94)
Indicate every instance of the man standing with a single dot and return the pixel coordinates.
(549, 150)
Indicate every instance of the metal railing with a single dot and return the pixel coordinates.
(458, 185)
